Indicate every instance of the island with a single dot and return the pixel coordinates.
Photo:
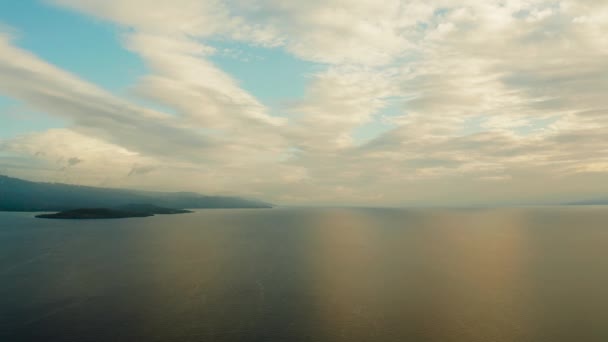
(126, 211)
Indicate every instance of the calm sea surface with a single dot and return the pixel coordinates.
(288, 275)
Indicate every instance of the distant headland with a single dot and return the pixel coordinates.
(22, 195)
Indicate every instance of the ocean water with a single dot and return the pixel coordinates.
(288, 275)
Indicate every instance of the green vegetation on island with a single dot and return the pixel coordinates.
(125, 211)
(94, 213)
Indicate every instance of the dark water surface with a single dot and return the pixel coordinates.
(308, 275)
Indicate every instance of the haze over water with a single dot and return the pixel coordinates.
(522, 274)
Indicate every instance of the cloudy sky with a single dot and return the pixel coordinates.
(310, 102)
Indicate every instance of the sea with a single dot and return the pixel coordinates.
(309, 274)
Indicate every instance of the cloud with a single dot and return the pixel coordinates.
(91, 109)
(74, 160)
(339, 100)
(141, 170)
(495, 101)
(207, 113)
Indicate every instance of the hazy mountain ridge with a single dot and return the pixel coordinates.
(601, 201)
(22, 195)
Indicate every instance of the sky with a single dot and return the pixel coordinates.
(333, 102)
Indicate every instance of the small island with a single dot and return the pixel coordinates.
(126, 211)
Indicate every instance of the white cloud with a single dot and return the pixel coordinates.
(501, 100)
(339, 100)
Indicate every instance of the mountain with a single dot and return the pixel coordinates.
(590, 202)
(151, 209)
(21, 195)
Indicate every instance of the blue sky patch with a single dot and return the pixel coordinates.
(89, 48)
